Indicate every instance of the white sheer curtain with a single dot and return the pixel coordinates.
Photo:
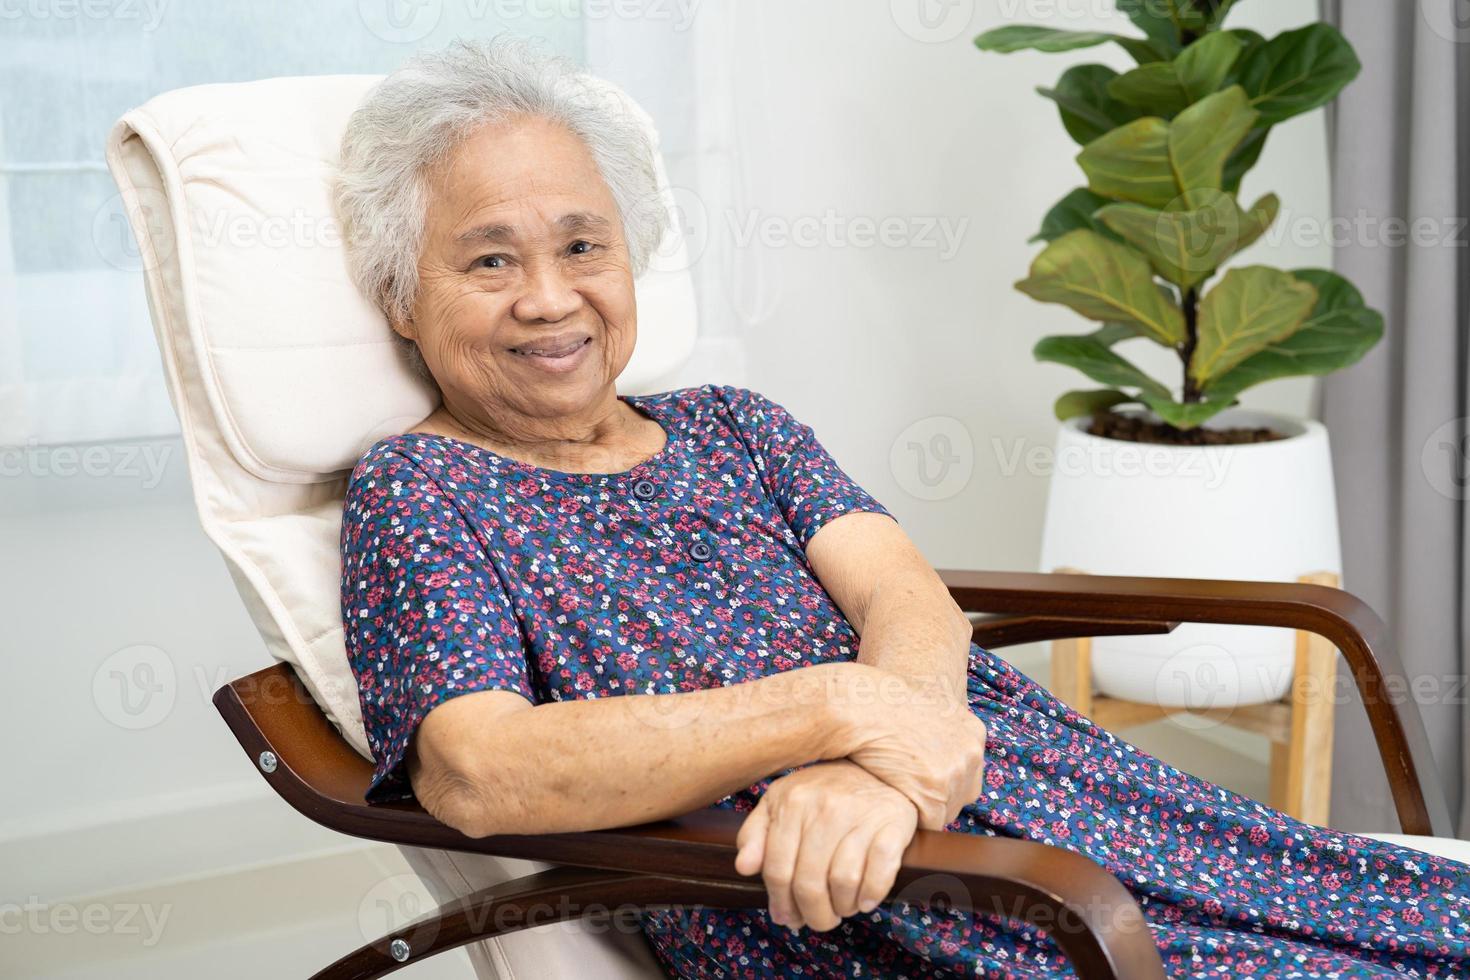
(678, 60)
(77, 357)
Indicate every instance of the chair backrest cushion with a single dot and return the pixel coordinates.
(281, 371)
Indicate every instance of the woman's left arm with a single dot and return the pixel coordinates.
(894, 600)
(828, 839)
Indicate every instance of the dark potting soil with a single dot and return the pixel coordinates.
(1131, 428)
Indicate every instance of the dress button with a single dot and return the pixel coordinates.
(644, 490)
(700, 551)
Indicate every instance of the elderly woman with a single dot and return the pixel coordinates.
(569, 609)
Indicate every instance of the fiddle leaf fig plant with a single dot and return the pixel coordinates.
(1141, 246)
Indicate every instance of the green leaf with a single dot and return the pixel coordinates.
(1145, 51)
(1244, 157)
(1248, 38)
(1339, 331)
(1251, 309)
(1152, 88)
(1087, 110)
(1169, 19)
(1154, 18)
(1074, 211)
(1185, 415)
(1096, 361)
(1074, 403)
(1257, 220)
(1221, 12)
(1184, 245)
(1204, 136)
(1110, 333)
(1132, 163)
(1297, 71)
(1203, 66)
(1025, 37)
(1188, 242)
(1104, 281)
(1168, 88)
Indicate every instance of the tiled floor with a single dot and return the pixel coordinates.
(276, 922)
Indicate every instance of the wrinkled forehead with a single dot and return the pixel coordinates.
(525, 170)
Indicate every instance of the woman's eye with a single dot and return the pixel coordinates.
(491, 261)
(581, 247)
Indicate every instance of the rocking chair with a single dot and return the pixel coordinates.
(266, 341)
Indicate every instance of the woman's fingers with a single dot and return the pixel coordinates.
(783, 846)
(849, 863)
(751, 841)
(810, 887)
(828, 841)
(880, 869)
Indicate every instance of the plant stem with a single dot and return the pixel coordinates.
(1190, 305)
(1186, 38)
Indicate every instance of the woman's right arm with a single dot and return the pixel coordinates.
(491, 763)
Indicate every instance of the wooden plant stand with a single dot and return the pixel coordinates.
(1299, 726)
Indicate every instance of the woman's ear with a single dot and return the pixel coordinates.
(404, 327)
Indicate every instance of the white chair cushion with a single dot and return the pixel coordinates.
(283, 374)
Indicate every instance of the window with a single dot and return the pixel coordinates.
(78, 362)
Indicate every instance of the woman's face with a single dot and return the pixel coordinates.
(525, 307)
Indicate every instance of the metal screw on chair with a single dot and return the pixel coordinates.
(399, 950)
(267, 762)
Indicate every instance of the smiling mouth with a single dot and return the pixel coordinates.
(552, 351)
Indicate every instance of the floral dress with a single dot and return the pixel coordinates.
(465, 571)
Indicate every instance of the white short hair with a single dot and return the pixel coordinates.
(415, 117)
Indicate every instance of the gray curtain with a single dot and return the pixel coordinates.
(1398, 418)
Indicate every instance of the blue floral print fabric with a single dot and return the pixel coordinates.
(466, 571)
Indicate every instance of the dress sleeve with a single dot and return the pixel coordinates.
(425, 615)
(803, 479)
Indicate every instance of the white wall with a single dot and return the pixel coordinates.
(864, 342)
(831, 106)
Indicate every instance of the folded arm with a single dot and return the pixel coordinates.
(894, 599)
(492, 763)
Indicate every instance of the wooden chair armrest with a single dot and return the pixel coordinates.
(1090, 915)
(1340, 617)
(993, 631)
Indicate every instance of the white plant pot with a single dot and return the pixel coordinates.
(1264, 511)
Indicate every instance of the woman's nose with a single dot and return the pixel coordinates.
(548, 296)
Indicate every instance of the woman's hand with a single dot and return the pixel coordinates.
(828, 841)
(920, 738)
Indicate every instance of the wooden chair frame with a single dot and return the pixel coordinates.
(690, 860)
(1298, 726)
